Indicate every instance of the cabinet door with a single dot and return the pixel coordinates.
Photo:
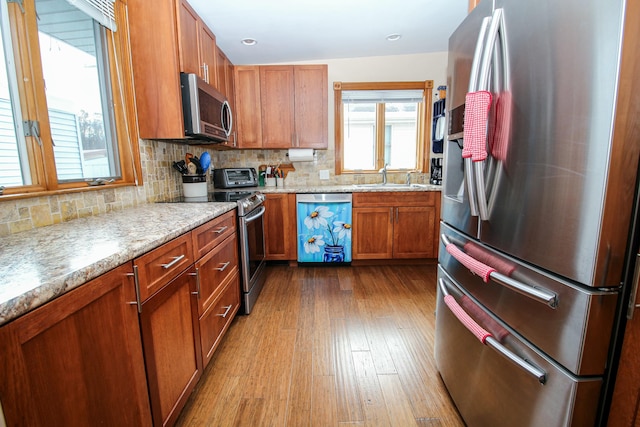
(208, 56)
(280, 227)
(213, 269)
(278, 107)
(414, 232)
(77, 360)
(247, 113)
(189, 51)
(171, 339)
(372, 233)
(154, 37)
(221, 72)
(310, 106)
(625, 404)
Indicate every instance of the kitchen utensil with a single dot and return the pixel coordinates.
(196, 162)
(177, 167)
(205, 161)
(192, 168)
(188, 157)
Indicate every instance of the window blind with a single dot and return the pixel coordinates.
(377, 96)
(102, 11)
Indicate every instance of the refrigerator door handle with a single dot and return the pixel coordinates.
(487, 272)
(473, 86)
(483, 84)
(486, 338)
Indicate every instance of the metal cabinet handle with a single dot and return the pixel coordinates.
(176, 259)
(197, 274)
(136, 283)
(220, 230)
(485, 337)
(487, 272)
(224, 266)
(228, 308)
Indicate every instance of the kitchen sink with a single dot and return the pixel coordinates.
(388, 185)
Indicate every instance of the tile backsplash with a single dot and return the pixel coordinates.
(162, 182)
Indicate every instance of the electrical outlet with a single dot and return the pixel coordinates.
(324, 174)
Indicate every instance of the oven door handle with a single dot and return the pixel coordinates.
(254, 216)
(485, 337)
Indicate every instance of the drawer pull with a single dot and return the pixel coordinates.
(224, 266)
(228, 308)
(176, 259)
(220, 230)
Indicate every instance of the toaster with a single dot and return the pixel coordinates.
(235, 177)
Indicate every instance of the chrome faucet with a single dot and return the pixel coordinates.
(383, 171)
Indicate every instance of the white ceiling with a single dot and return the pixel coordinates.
(306, 30)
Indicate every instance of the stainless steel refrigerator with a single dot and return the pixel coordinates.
(540, 171)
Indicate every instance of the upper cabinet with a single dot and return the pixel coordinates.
(198, 53)
(176, 40)
(282, 106)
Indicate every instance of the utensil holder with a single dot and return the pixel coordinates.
(270, 182)
(194, 185)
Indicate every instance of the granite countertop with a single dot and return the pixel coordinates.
(41, 264)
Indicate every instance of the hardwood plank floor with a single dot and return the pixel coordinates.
(329, 346)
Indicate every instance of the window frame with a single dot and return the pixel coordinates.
(33, 105)
(424, 129)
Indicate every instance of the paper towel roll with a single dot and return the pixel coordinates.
(300, 154)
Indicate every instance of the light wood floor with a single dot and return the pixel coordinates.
(329, 346)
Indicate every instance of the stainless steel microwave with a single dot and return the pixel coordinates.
(207, 114)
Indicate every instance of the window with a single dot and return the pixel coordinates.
(381, 123)
(64, 122)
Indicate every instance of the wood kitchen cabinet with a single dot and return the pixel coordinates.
(294, 106)
(169, 325)
(218, 280)
(198, 53)
(395, 225)
(77, 360)
(625, 404)
(281, 106)
(247, 114)
(280, 227)
(167, 37)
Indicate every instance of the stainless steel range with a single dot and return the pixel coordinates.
(235, 184)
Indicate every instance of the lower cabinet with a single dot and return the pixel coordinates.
(280, 227)
(77, 360)
(170, 335)
(395, 225)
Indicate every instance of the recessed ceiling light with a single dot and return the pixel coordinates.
(249, 42)
(393, 37)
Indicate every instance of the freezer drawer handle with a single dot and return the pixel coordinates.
(485, 337)
(487, 272)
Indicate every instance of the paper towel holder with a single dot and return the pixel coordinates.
(302, 155)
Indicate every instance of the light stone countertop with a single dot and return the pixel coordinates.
(40, 264)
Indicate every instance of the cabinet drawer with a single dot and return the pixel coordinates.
(395, 198)
(213, 269)
(208, 235)
(158, 267)
(216, 319)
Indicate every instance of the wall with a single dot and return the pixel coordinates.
(161, 182)
(431, 66)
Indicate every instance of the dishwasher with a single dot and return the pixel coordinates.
(324, 228)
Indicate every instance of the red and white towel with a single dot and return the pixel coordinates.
(476, 117)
